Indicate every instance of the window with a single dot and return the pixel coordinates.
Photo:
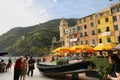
(72, 44)
(81, 42)
(84, 19)
(85, 27)
(100, 40)
(86, 42)
(76, 43)
(80, 20)
(85, 33)
(115, 27)
(108, 40)
(93, 41)
(92, 24)
(81, 35)
(91, 17)
(75, 36)
(106, 20)
(114, 10)
(98, 21)
(93, 32)
(99, 30)
(119, 8)
(118, 38)
(107, 29)
(114, 18)
(78, 28)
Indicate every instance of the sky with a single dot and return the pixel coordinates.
(25, 13)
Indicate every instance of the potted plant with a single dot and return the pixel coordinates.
(62, 61)
(102, 66)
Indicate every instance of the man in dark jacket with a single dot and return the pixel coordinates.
(31, 66)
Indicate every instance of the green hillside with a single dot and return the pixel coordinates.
(33, 40)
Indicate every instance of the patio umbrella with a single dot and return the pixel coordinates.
(61, 49)
(104, 47)
(2, 53)
(81, 48)
(116, 47)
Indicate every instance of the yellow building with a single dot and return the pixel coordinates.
(105, 29)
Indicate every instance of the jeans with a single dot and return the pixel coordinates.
(16, 74)
(30, 70)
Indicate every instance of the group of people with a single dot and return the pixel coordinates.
(22, 67)
(5, 67)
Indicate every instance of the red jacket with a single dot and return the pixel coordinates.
(18, 64)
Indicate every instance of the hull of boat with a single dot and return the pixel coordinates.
(62, 70)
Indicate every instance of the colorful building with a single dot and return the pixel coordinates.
(84, 32)
(87, 30)
(105, 29)
(115, 10)
(95, 29)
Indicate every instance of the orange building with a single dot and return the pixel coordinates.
(84, 32)
(115, 10)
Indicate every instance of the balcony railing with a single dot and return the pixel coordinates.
(73, 39)
(106, 33)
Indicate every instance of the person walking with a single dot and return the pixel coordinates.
(115, 71)
(23, 70)
(17, 68)
(9, 64)
(31, 66)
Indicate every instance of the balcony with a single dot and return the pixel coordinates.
(106, 33)
(73, 39)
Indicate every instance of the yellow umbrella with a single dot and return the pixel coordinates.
(105, 47)
(81, 48)
(61, 49)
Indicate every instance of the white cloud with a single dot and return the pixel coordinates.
(20, 13)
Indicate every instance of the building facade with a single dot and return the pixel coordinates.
(84, 32)
(95, 29)
(105, 29)
(87, 30)
(115, 10)
(62, 27)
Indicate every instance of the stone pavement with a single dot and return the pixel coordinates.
(36, 76)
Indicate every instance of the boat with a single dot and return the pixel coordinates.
(62, 70)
